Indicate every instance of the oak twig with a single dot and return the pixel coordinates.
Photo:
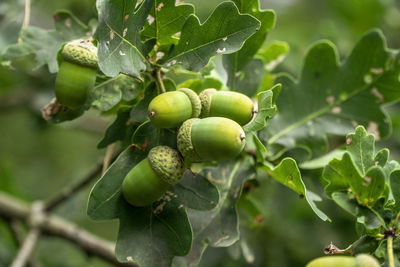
(25, 251)
(14, 208)
(15, 227)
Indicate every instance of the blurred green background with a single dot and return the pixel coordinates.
(37, 159)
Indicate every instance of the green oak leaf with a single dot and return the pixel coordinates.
(222, 33)
(165, 20)
(44, 44)
(163, 228)
(206, 196)
(120, 129)
(109, 93)
(365, 216)
(120, 49)
(266, 109)
(105, 198)
(218, 227)
(147, 136)
(273, 54)
(321, 162)
(139, 111)
(359, 170)
(288, 174)
(395, 188)
(236, 63)
(332, 97)
(152, 236)
(248, 80)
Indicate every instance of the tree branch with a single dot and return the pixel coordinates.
(25, 251)
(15, 227)
(14, 208)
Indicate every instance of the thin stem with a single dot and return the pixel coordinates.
(390, 251)
(26, 249)
(159, 81)
(27, 17)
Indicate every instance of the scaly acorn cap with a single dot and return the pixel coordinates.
(365, 260)
(205, 98)
(81, 52)
(184, 141)
(194, 99)
(167, 163)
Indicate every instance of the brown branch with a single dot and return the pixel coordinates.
(69, 191)
(14, 208)
(15, 227)
(25, 251)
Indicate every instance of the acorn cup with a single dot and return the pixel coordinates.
(210, 139)
(361, 260)
(228, 104)
(77, 73)
(171, 109)
(152, 177)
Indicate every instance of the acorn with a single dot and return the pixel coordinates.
(152, 177)
(228, 104)
(171, 109)
(77, 73)
(210, 139)
(361, 260)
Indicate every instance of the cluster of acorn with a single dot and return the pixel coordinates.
(217, 136)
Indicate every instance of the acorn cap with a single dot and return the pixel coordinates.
(167, 163)
(184, 140)
(194, 99)
(81, 52)
(205, 98)
(365, 260)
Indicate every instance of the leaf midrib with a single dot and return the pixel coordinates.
(321, 111)
(208, 43)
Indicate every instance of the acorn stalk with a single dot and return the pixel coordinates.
(210, 139)
(77, 73)
(153, 176)
(171, 109)
(228, 104)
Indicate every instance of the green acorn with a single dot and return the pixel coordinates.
(228, 104)
(210, 139)
(361, 260)
(77, 73)
(171, 109)
(152, 177)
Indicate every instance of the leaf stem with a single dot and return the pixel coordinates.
(390, 251)
(27, 17)
(159, 81)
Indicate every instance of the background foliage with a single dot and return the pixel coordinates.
(277, 227)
